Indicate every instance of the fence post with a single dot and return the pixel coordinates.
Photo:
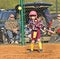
(22, 22)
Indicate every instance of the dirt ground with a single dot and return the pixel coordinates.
(50, 51)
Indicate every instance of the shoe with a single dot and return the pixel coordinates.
(16, 42)
(30, 51)
(12, 42)
(40, 50)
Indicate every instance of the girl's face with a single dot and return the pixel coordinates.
(32, 17)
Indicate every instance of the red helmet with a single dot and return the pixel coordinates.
(58, 30)
(33, 13)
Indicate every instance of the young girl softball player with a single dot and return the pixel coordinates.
(35, 25)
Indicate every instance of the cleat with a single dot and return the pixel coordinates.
(30, 51)
(40, 50)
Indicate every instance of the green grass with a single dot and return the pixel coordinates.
(7, 4)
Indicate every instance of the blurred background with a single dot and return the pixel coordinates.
(8, 4)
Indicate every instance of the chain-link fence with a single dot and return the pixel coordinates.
(43, 8)
(21, 13)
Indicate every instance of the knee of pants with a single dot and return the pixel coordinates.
(10, 34)
(17, 37)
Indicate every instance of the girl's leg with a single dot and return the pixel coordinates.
(33, 36)
(39, 40)
(32, 45)
(40, 44)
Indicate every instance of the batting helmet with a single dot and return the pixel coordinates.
(33, 13)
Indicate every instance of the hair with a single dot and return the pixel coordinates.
(11, 14)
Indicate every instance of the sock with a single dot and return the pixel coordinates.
(32, 46)
(40, 45)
